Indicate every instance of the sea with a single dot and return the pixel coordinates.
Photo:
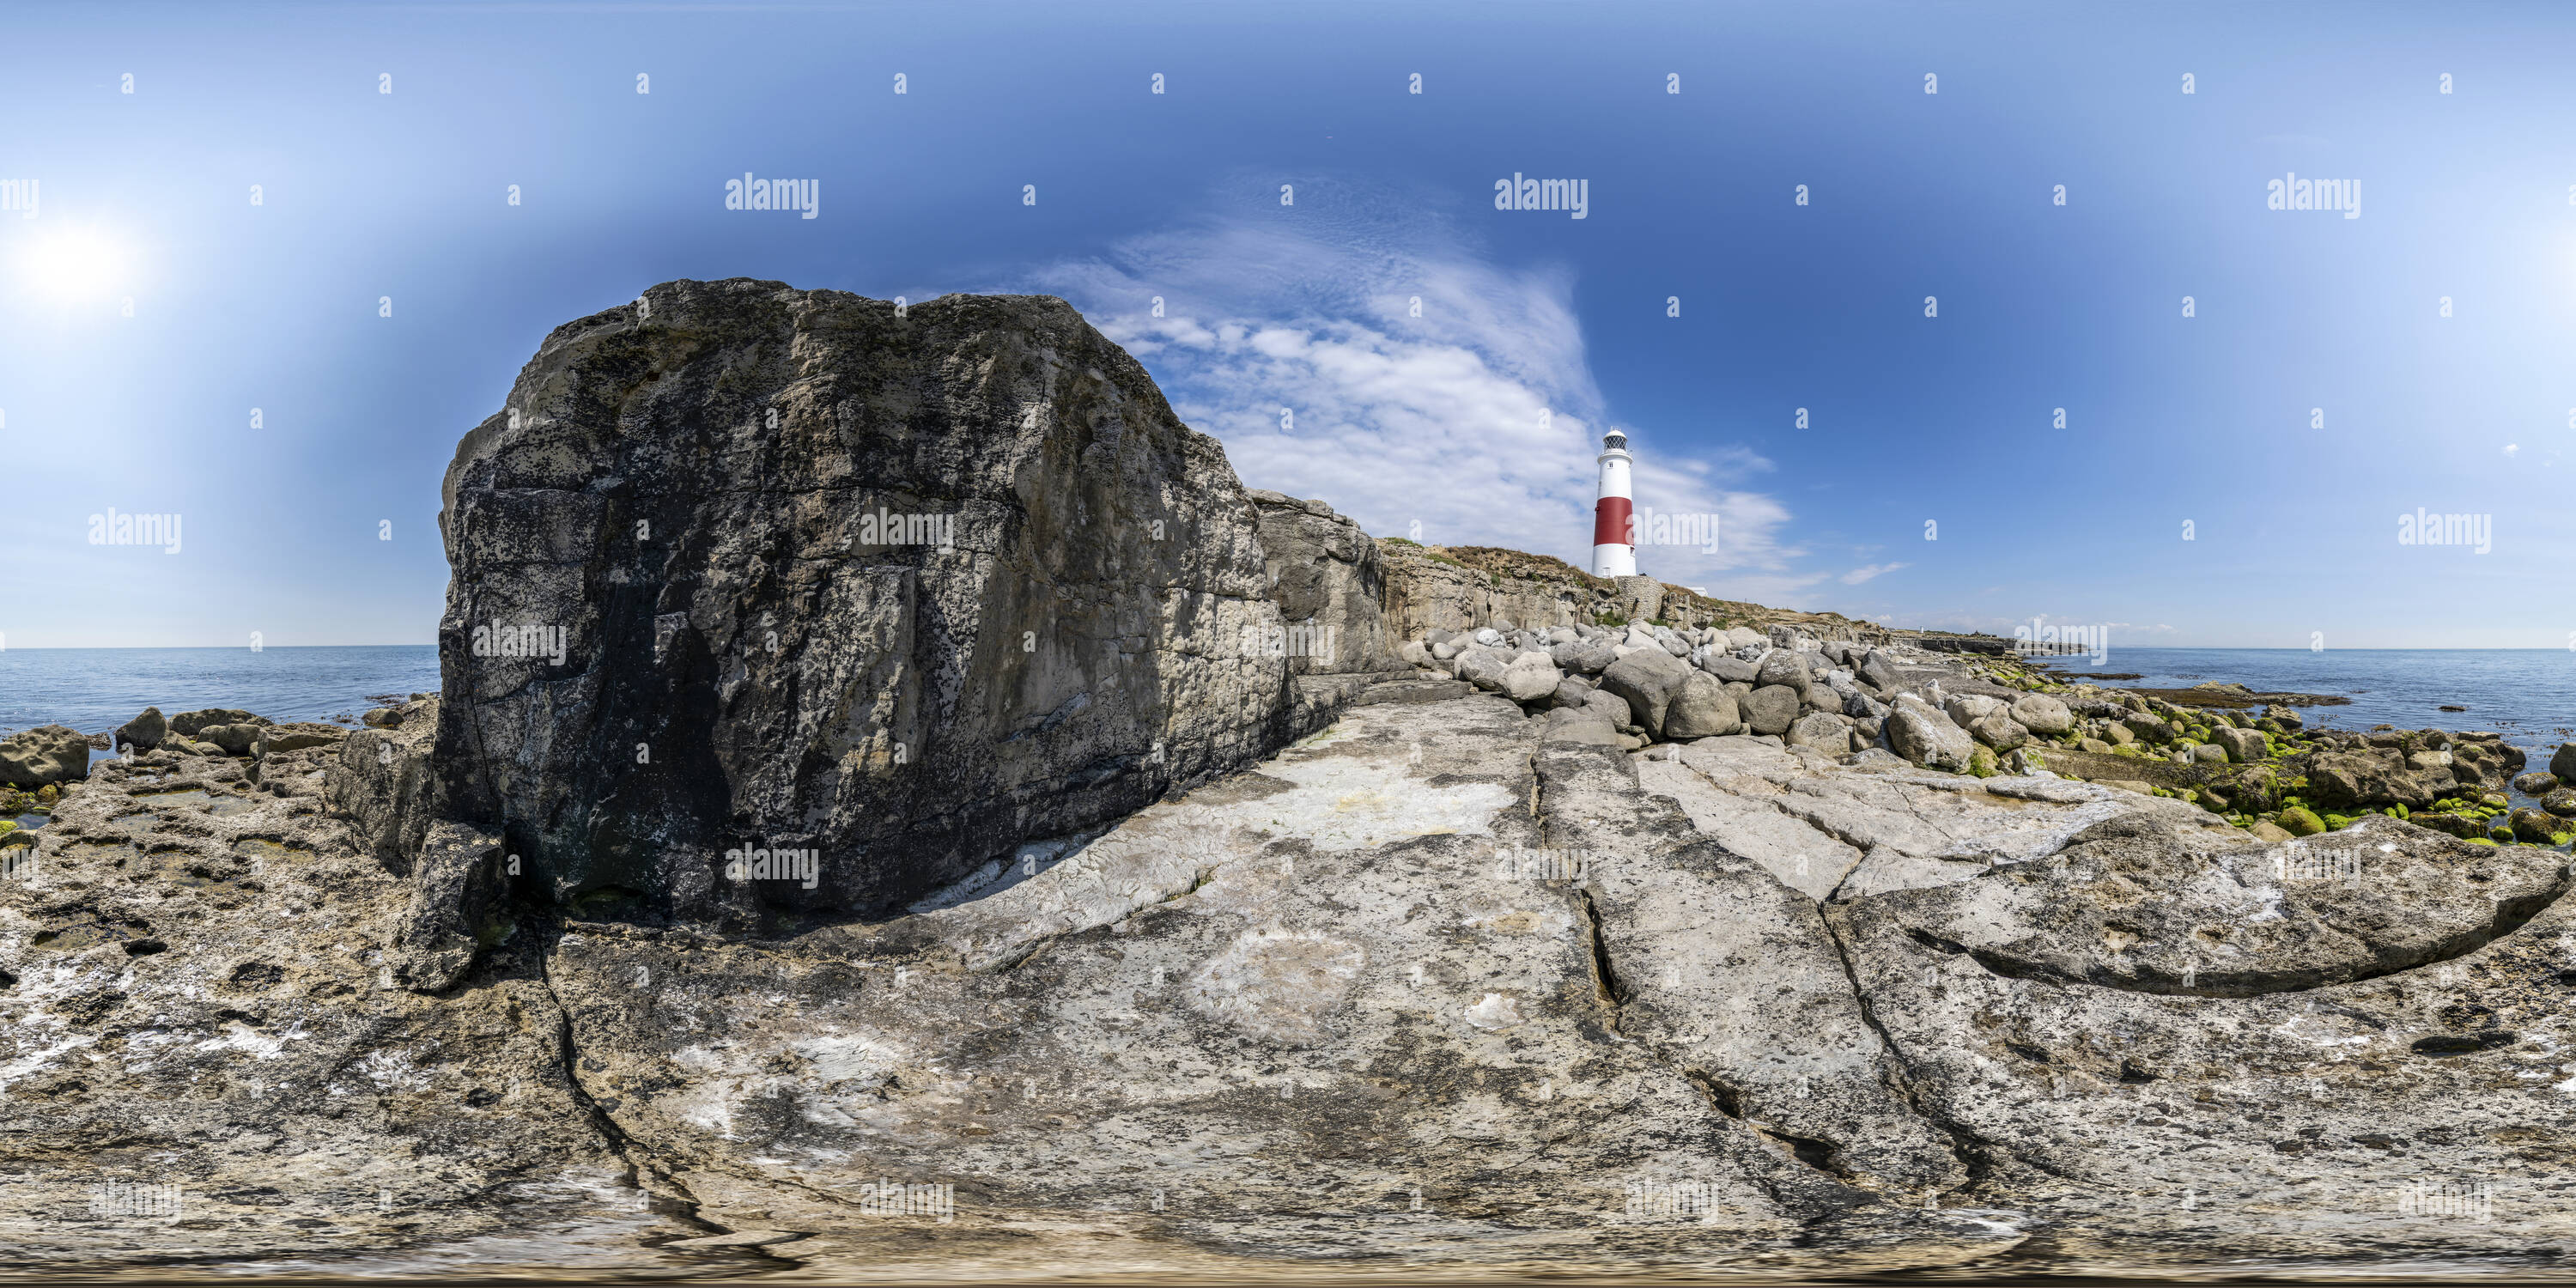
(96, 689)
(2526, 695)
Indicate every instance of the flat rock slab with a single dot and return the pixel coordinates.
(202, 1060)
(2425, 1115)
(1352, 1001)
(1834, 831)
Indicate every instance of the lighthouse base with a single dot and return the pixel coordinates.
(1614, 561)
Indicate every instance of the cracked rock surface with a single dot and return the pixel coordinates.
(1422, 989)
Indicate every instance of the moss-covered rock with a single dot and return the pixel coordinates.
(2298, 820)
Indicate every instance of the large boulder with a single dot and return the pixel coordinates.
(1728, 667)
(1704, 710)
(1784, 666)
(739, 562)
(143, 732)
(1483, 667)
(190, 724)
(2043, 715)
(1530, 677)
(1878, 671)
(1649, 679)
(235, 739)
(1771, 708)
(1327, 579)
(2563, 763)
(2244, 746)
(1825, 733)
(2350, 781)
(1585, 657)
(2148, 727)
(382, 785)
(44, 755)
(1921, 733)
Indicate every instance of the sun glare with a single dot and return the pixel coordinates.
(73, 264)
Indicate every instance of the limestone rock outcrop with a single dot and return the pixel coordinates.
(1329, 583)
(747, 567)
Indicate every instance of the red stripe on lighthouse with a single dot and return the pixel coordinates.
(1610, 522)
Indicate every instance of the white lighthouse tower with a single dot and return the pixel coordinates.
(1614, 547)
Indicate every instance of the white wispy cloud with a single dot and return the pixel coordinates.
(1474, 423)
(1858, 575)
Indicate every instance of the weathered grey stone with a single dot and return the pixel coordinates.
(1327, 578)
(1530, 677)
(278, 739)
(921, 621)
(1704, 709)
(235, 739)
(1879, 672)
(2042, 714)
(1649, 679)
(382, 785)
(1783, 666)
(144, 732)
(1771, 709)
(2244, 746)
(189, 724)
(1826, 733)
(43, 756)
(1580, 724)
(1731, 669)
(1922, 734)
(1483, 667)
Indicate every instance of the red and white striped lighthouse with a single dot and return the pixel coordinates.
(1614, 547)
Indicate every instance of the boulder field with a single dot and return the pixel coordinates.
(1057, 897)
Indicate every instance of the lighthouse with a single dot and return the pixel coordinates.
(1614, 547)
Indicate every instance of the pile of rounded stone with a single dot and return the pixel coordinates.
(1641, 684)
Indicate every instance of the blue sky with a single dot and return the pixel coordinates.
(1475, 421)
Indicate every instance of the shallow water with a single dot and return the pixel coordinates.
(96, 689)
(2528, 695)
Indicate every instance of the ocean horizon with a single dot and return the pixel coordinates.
(2526, 695)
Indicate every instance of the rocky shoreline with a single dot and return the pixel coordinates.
(2244, 756)
(1146, 875)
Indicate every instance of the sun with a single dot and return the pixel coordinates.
(73, 264)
